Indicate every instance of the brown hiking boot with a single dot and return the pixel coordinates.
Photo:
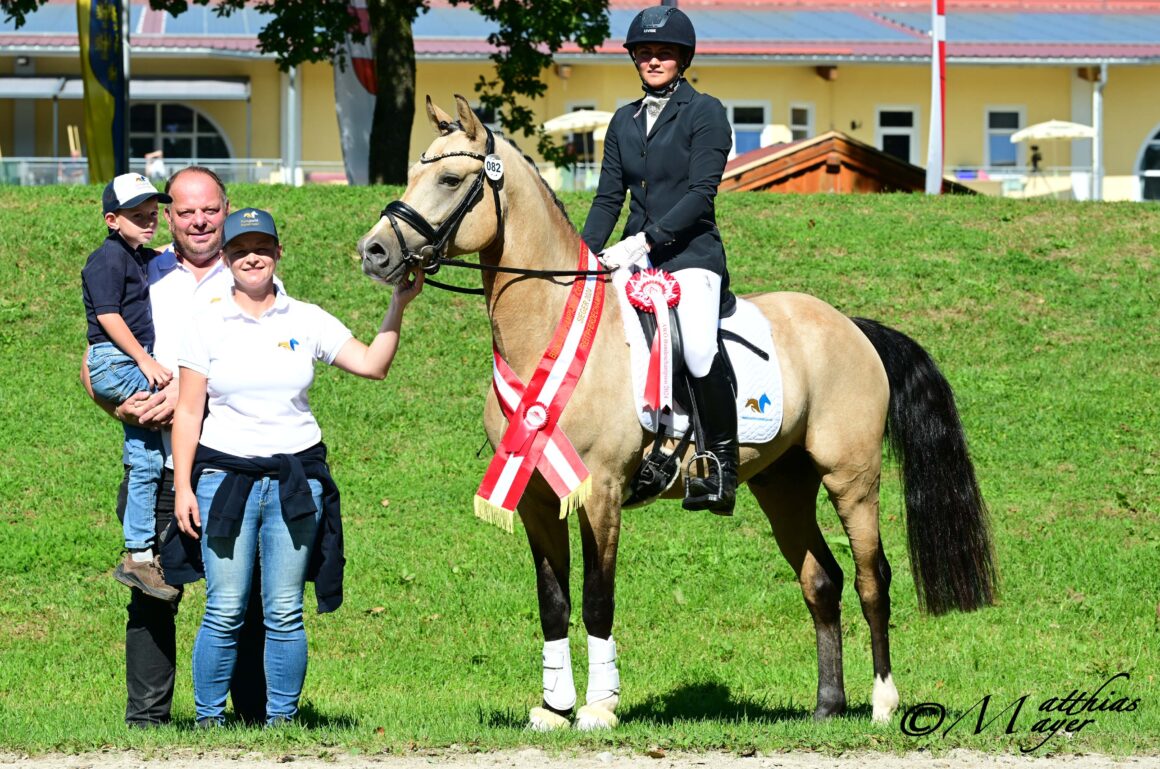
(146, 576)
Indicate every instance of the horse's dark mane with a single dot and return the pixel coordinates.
(551, 193)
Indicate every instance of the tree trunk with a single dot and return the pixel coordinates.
(395, 104)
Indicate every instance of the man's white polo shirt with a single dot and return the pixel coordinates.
(175, 293)
(258, 373)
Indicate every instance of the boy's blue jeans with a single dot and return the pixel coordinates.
(229, 568)
(114, 378)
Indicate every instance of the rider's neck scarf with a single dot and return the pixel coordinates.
(534, 440)
(655, 100)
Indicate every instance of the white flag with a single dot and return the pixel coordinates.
(354, 97)
(938, 95)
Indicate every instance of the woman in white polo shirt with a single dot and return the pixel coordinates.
(258, 463)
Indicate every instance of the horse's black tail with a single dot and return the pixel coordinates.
(946, 520)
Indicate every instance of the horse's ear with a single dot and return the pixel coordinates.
(468, 119)
(440, 120)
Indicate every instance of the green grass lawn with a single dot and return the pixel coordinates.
(1042, 315)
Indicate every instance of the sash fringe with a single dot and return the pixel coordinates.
(494, 514)
(576, 498)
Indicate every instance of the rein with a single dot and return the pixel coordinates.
(432, 256)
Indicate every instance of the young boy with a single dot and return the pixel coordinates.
(120, 332)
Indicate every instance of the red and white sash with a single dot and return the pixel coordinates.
(534, 440)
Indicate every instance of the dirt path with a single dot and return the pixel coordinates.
(535, 759)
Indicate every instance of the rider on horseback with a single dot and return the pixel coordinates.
(669, 150)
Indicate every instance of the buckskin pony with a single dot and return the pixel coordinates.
(849, 385)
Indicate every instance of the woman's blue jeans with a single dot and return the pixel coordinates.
(229, 564)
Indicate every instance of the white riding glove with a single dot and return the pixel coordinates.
(630, 252)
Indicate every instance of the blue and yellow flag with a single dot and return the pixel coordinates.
(101, 28)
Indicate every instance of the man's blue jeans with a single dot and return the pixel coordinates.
(229, 566)
(114, 378)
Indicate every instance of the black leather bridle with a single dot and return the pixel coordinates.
(433, 255)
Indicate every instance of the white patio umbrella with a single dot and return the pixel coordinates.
(1053, 129)
(578, 122)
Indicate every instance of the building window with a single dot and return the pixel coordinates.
(747, 120)
(584, 143)
(896, 132)
(801, 121)
(999, 152)
(177, 131)
(1150, 169)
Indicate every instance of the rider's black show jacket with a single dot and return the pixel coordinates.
(671, 176)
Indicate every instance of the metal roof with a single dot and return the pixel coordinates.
(787, 25)
(1041, 28)
(202, 20)
(991, 31)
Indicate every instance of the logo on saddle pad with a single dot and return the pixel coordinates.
(758, 405)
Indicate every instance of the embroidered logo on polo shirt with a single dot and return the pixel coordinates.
(291, 345)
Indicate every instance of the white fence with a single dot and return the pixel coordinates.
(29, 171)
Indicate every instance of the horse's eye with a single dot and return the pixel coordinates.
(449, 180)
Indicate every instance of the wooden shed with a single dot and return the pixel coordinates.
(829, 162)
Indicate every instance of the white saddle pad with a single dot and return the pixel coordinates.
(759, 394)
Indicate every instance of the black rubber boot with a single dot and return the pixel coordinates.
(716, 405)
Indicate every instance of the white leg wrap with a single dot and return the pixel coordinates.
(559, 688)
(884, 699)
(603, 686)
(603, 676)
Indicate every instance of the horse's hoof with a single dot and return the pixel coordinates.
(544, 720)
(829, 706)
(884, 698)
(592, 717)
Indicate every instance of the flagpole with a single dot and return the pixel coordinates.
(938, 97)
(121, 139)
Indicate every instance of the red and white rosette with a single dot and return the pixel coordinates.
(654, 290)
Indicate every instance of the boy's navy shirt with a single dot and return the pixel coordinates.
(114, 280)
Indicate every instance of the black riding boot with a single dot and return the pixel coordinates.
(716, 405)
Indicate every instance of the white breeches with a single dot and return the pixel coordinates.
(699, 308)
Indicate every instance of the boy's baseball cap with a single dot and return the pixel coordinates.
(128, 190)
(248, 220)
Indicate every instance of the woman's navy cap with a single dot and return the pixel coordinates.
(249, 220)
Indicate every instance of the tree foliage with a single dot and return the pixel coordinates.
(530, 33)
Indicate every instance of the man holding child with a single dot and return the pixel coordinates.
(181, 277)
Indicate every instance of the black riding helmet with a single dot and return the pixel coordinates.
(662, 24)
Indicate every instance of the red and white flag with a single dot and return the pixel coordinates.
(938, 96)
(355, 87)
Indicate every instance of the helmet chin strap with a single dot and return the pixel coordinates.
(664, 91)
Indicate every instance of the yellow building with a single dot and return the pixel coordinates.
(202, 91)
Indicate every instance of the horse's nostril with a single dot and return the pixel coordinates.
(375, 249)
